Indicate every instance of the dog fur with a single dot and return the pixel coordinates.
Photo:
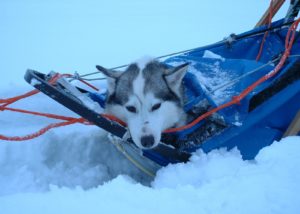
(149, 98)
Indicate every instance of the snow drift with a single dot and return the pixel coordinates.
(76, 170)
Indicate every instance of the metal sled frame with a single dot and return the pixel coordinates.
(63, 97)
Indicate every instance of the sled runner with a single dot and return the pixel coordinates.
(241, 92)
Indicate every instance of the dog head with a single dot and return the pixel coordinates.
(148, 98)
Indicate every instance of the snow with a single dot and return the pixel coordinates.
(76, 169)
(34, 82)
(211, 81)
(211, 55)
(214, 79)
(88, 176)
(90, 103)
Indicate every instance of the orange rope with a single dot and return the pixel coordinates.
(113, 118)
(267, 32)
(88, 84)
(236, 100)
(42, 131)
(53, 116)
(14, 99)
(69, 120)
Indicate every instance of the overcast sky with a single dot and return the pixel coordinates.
(70, 35)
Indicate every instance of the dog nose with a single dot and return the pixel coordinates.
(147, 141)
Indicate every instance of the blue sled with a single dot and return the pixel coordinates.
(217, 73)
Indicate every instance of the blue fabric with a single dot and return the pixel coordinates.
(235, 61)
(99, 98)
(248, 131)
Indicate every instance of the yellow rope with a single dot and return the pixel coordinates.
(131, 159)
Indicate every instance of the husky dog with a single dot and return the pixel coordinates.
(149, 98)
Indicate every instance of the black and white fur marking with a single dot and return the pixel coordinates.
(148, 98)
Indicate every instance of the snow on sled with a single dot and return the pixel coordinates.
(237, 99)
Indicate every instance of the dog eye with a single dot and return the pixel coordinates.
(131, 109)
(156, 106)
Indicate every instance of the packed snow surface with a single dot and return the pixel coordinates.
(76, 169)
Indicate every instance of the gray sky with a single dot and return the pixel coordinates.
(70, 35)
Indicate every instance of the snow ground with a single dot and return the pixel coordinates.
(75, 169)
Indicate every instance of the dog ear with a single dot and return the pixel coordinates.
(112, 77)
(174, 77)
(109, 72)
